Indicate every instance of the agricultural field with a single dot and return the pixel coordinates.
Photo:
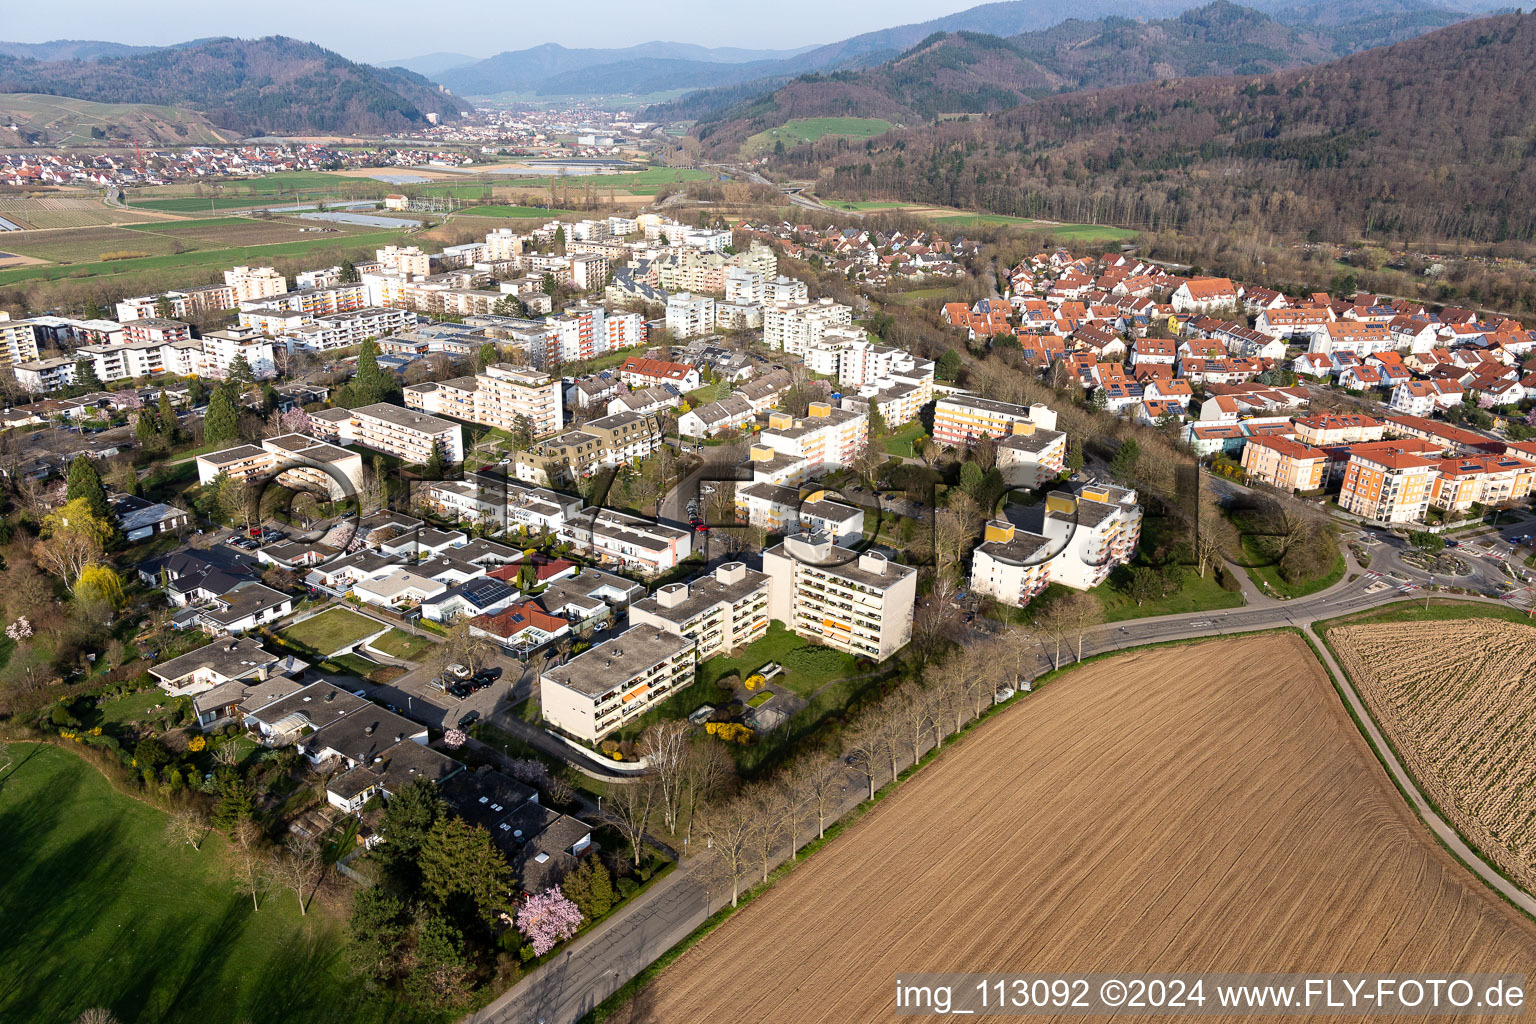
(168, 253)
(1186, 805)
(102, 911)
(158, 238)
(810, 129)
(1457, 701)
(75, 211)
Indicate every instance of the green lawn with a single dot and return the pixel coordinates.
(1259, 549)
(400, 644)
(331, 630)
(760, 699)
(197, 204)
(132, 707)
(839, 204)
(900, 443)
(519, 212)
(809, 129)
(101, 911)
(708, 393)
(777, 645)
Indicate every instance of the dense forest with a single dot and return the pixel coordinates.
(975, 73)
(1430, 138)
(274, 84)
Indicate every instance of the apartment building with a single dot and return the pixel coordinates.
(156, 330)
(961, 420)
(408, 434)
(1326, 429)
(345, 330)
(297, 461)
(252, 284)
(1283, 463)
(607, 441)
(1487, 480)
(1388, 486)
(1090, 533)
(616, 681)
(860, 603)
(689, 315)
(825, 438)
(630, 542)
(494, 500)
(1011, 564)
(589, 271)
(319, 300)
(221, 348)
(499, 397)
(18, 341)
(799, 326)
(1448, 438)
(408, 259)
(123, 362)
(721, 612)
(1031, 455)
(39, 375)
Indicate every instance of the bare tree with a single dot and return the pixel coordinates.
(706, 770)
(821, 780)
(728, 831)
(187, 828)
(96, 1015)
(301, 868)
(1056, 622)
(769, 807)
(913, 709)
(248, 862)
(864, 758)
(793, 787)
(629, 807)
(1084, 612)
(665, 748)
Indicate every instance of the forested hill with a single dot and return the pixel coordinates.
(275, 85)
(1429, 138)
(968, 72)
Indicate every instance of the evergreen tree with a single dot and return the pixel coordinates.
(371, 384)
(166, 420)
(269, 399)
(949, 364)
(349, 273)
(486, 355)
(240, 373)
(163, 307)
(221, 424)
(85, 375)
(560, 240)
(434, 467)
(876, 420)
(147, 430)
(85, 482)
(196, 392)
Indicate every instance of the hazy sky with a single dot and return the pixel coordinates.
(395, 29)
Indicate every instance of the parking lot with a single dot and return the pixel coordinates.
(416, 698)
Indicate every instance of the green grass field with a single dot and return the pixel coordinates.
(399, 644)
(212, 257)
(638, 183)
(809, 129)
(515, 212)
(200, 204)
(900, 443)
(776, 645)
(838, 204)
(331, 630)
(101, 911)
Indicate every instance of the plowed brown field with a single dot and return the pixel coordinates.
(1205, 808)
(1458, 701)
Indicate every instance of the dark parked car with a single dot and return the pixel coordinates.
(469, 719)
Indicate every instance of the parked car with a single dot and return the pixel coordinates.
(469, 719)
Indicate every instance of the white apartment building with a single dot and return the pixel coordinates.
(345, 330)
(786, 290)
(616, 681)
(299, 462)
(959, 420)
(743, 287)
(797, 327)
(39, 375)
(220, 348)
(1011, 564)
(721, 612)
(407, 259)
(631, 542)
(859, 603)
(1090, 533)
(1031, 455)
(18, 341)
(493, 499)
(407, 434)
(690, 315)
(826, 438)
(251, 284)
(496, 398)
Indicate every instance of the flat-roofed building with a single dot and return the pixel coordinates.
(631, 542)
(1011, 564)
(961, 420)
(616, 681)
(721, 611)
(407, 434)
(1090, 532)
(859, 602)
(298, 461)
(1031, 455)
(827, 438)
